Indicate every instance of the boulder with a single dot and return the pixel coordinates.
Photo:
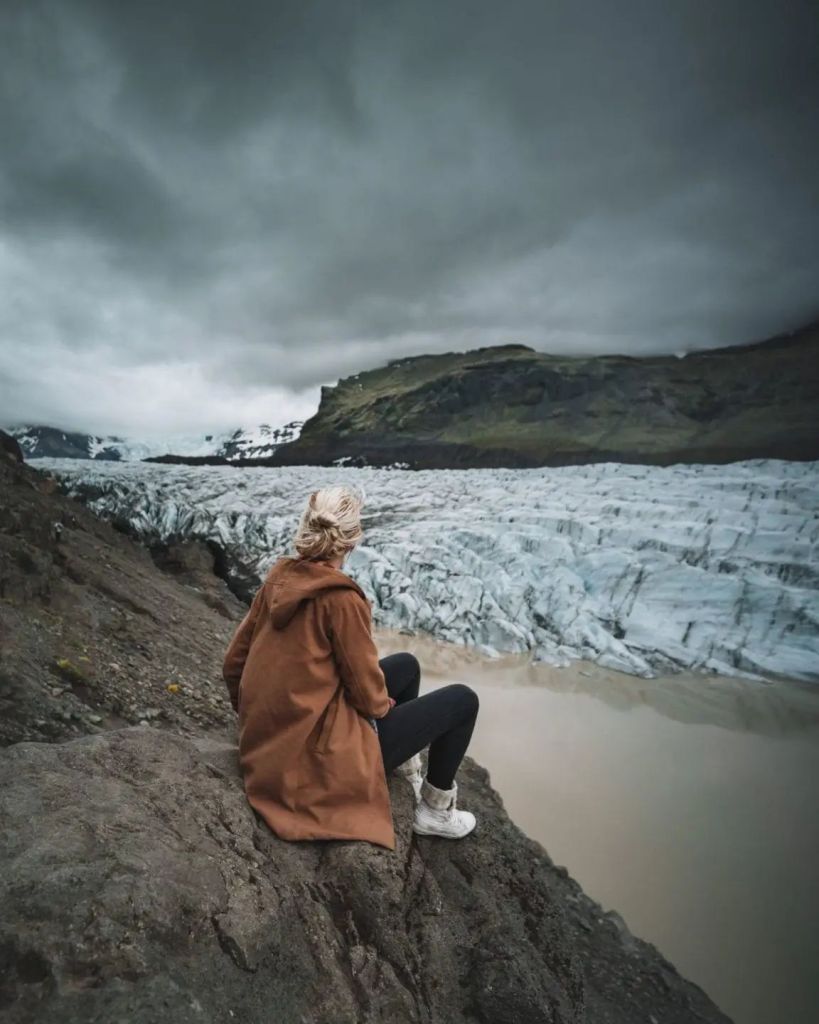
(137, 884)
(10, 447)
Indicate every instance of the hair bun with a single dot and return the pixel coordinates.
(330, 524)
(325, 519)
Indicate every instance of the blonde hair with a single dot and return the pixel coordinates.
(330, 524)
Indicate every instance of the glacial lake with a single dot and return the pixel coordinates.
(687, 803)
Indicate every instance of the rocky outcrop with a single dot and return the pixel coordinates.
(10, 447)
(511, 406)
(93, 634)
(189, 460)
(138, 885)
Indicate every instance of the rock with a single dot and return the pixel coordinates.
(10, 447)
(138, 885)
(85, 617)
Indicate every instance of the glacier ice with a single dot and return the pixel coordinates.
(640, 568)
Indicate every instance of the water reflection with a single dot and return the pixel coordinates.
(689, 804)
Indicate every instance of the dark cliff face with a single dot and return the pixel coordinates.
(138, 885)
(512, 406)
(10, 447)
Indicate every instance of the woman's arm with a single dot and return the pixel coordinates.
(350, 630)
(236, 654)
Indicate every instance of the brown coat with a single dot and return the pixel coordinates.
(302, 671)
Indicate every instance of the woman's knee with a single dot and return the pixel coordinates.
(401, 666)
(465, 697)
(410, 664)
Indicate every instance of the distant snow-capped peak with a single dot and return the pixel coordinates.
(38, 441)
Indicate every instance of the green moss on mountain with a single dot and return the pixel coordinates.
(512, 406)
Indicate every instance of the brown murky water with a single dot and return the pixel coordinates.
(689, 804)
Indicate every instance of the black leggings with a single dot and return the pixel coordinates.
(443, 719)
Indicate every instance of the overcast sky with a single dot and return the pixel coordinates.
(209, 209)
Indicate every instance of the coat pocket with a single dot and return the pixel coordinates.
(328, 723)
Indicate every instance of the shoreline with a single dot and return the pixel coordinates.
(773, 706)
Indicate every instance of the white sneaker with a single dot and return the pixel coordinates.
(413, 772)
(437, 815)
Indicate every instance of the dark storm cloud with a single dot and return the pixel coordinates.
(215, 201)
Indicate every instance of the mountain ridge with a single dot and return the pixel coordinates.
(39, 441)
(510, 406)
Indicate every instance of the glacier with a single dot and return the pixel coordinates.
(642, 569)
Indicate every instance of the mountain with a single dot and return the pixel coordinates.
(42, 442)
(510, 406)
(514, 407)
(137, 884)
(39, 442)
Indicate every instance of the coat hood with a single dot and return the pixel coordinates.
(292, 581)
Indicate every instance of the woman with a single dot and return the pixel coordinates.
(321, 718)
